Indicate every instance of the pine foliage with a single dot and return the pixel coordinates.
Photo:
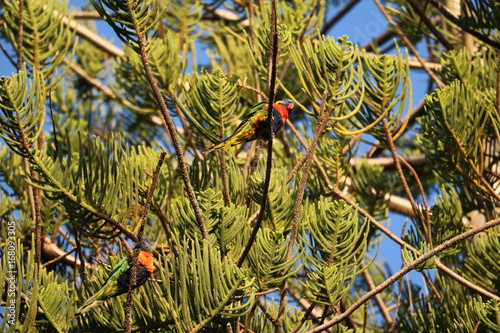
(102, 145)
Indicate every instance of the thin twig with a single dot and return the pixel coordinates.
(439, 6)
(340, 14)
(137, 250)
(487, 186)
(378, 40)
(409, 44)
(498, 83)
(378, 299)
(244, 86)
(91, 36)
(320, 127)
(427, 219)
(402, 178)
(407, 246)
(273, 68)
(433, 287)
(76, 232)
(269, 291)
(115, 224)
(20, 52)
(173, 134)
(417, 112)
(61, 257)
(264, 310)
(304, 317)
(250, 315)
(223, 168)
(418, 261)
(430, 25)
(463, 281)
(316, 161)
(365, 317)
(251, 166)
(400, 285)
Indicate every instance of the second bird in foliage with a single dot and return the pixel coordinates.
(119, 279)
(254, 125)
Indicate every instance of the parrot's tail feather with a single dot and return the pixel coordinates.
(83, 309)
(88, 306)
(223, 144)
(215, 147)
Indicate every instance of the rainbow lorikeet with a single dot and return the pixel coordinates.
(119, 278)
(253, 125)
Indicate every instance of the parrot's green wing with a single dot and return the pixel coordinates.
(256, 115)
(111, 287)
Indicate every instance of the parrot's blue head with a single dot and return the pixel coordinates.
(288, 103)
(144, 244)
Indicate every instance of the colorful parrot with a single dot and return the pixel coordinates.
(253, 126)
(119, 278)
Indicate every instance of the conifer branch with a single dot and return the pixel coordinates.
(386, 231)
(91, 36)
(223, 167)
(33, 193)
(409, 44)
(272, 73)
(225, 186)
(320, 127)
(432, 27)
(423, 224)
(306, 315)
(20, 51)
(405, 245)
(497, 88)
(481, 182)
(171, 129)
(427, 219)
(296, 168)
(253, 40)
(137, 250)
(33, 308)
(439, 6)
(414, 264)
(378, 299)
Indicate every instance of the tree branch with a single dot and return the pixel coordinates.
(431, 26)
(173, 135)
(418, 261)
(439, 6)
(406, 188)
(320, 127)
(91, 36)
(409, 44)
(137, 250)
(340, 14)
(272, 73)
